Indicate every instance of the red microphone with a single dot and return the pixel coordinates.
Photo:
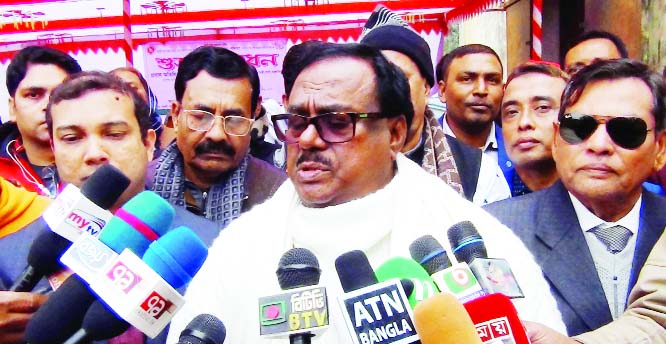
(496, 319)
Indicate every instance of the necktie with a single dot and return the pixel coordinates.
(614, 237)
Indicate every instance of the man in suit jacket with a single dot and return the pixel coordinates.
(644, 321)
(591, 232)
(470, 83)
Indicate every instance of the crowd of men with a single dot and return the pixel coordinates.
(560, 161)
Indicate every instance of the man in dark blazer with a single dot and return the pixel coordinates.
(592, 232)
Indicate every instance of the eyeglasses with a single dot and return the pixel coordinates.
(626, 132)
(332, 127)
(201, 120)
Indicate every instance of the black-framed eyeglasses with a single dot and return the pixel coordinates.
(332, 127)
(626, 132)
(201, 120)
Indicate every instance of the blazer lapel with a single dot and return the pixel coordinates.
(566, 259)
(651, 227)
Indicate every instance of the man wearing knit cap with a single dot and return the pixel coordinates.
(426, 143)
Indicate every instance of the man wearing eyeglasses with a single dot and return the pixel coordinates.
(208, 169)
(349, 188)
(592, 232)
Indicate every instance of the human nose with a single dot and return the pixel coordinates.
(599, 142)
(310, 138)
(95, 153)
(480, 87)
(525, 121)
(216, 132)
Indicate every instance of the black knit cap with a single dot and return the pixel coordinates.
(406, 41)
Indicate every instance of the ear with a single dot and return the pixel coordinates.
(12, 109)
(257, 110)
(441, 87)
(285, 101)
(556, 134)
(660, 159)
(175, 111)
(398, 131)
(149, 142)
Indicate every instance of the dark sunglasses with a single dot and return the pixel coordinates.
(626, 132)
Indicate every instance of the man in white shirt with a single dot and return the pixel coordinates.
(349, 188)
(470, 83)
(592, 232)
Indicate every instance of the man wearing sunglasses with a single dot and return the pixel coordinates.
(208, 169)
(591, 232)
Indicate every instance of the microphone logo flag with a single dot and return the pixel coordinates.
(459, 281)
(495, 331)
(379, 313)
(296, 311)
(155, 305)
(85, 222)
(123, 277)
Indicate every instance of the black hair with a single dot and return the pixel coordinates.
(614, 70)
(27, 56)
(598, 34)
(392, 86)
(534, 67)
(442, 69)
(291, 65)
(218, 62)
(80, 84)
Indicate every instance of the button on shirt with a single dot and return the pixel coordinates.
(614, 270)
(491, 186)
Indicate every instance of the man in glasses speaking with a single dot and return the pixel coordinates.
(208, 169)
(349, 188)
(591, 232)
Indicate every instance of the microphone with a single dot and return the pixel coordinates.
(46, 249)
(61, 315)
(407, 269)
(203, 329)
(373, 312)
(304, 309)
(496, 320)
(494, 274)
(441, 319)
(455, 279)
(176, 257)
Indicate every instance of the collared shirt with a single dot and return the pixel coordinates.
(491, 185)
(614, 270)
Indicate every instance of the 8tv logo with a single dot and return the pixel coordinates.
(155, 305)
(123, 277)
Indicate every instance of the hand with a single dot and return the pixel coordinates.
(16, 309)
(542, 334)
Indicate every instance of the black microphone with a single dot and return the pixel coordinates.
(103, 188)
(297, 268)
(428, 252)
(493, 274)
(203, 329)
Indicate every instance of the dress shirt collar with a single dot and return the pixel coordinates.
(588, 220)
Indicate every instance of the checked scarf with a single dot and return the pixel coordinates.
(438, 158)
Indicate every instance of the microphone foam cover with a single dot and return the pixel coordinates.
(428, 252)
(298, 267)
(442, 319)
(102, 323)
(203, 329)
(466, 242)
(105, 186)
(177, 256)
(46, 250)
(151, 211)
(354, 271)
(61, 315)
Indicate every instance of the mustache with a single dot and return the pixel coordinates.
(221, 147)
(313, 157)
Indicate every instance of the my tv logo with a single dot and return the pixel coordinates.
(85, 222)
(155, 305)
(380, 314)
(123, 277)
